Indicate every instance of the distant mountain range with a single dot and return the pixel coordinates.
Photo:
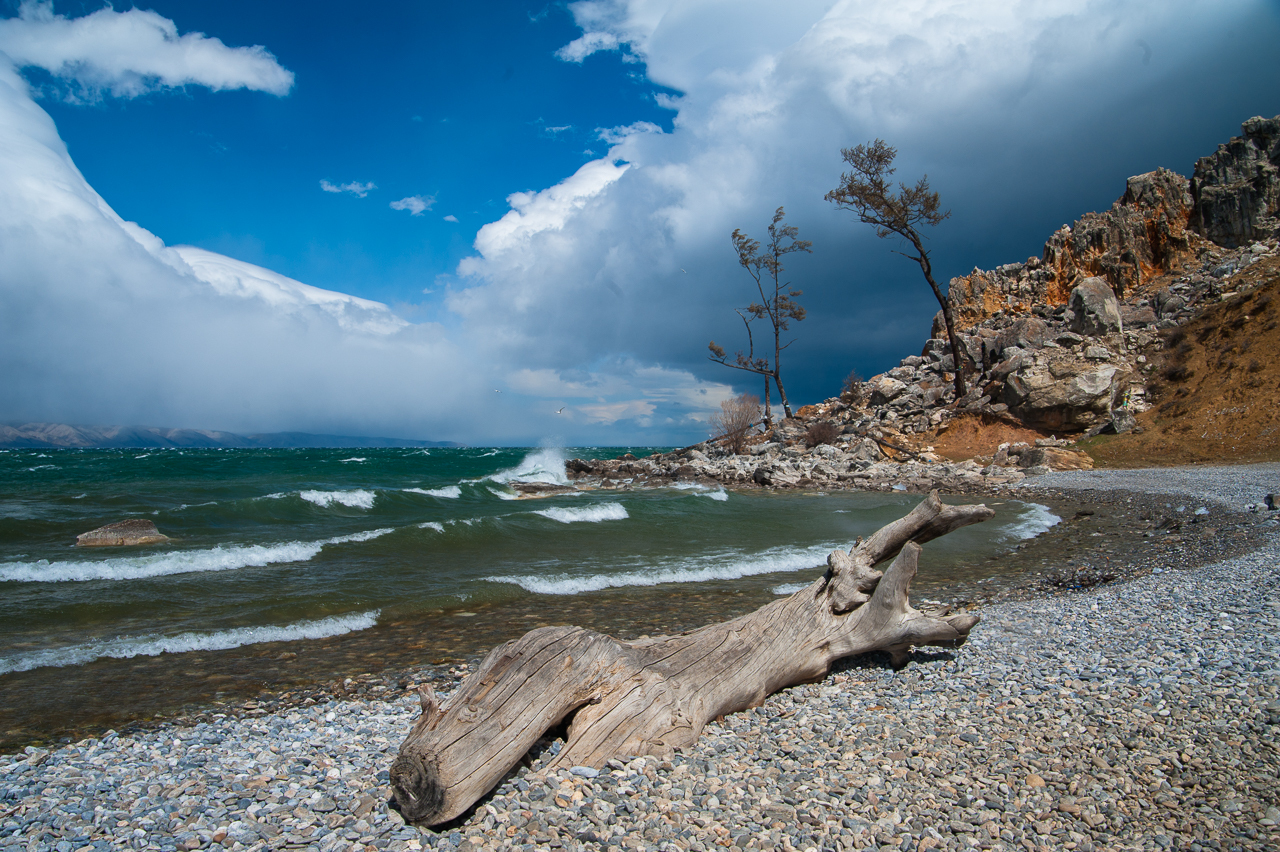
(61, 435)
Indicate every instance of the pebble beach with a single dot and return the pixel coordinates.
(1140, 714)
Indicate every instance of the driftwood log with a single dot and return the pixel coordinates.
(651, 696)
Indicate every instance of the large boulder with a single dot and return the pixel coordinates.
(886, 389)
(121, 534)
(1096, 308)
(1061, 392)
(1028, 333)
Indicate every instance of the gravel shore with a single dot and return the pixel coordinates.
(1138, 715)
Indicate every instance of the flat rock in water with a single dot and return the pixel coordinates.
(122, 533)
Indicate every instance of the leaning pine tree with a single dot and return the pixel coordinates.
(868, 191)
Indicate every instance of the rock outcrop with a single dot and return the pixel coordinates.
(1237, 188)
(134, 531)
(1143, 236)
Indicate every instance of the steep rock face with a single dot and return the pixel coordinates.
(1143, 235)
(1237, 188)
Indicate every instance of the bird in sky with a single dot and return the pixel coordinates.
(562, 408)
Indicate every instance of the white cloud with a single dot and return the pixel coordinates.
(360, 190)
(451, 218)
(617, 135)
(130, 53)
(608, 25)
(533, 213)
(415, 204)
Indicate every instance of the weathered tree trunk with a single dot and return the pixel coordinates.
(651, 696)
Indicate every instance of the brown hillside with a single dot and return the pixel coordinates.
(1216, 391)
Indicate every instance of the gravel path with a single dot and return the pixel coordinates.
(1142, 715)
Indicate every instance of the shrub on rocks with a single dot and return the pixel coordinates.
(820, 432)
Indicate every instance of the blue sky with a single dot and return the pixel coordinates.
(422, 99)
(180, 263)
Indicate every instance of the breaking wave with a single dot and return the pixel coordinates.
(451, 492)
(546, 465)
(220, 558)
(588, 514)
(151, 646)
(358, 499)
(705, 569)
(1033, 519)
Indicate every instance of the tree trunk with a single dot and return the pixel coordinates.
(651, 696)
(768, 412)
(782, 394)
(956, 354)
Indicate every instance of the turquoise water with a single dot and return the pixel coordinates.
(297, 545)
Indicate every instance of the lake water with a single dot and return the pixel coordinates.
(299, 545)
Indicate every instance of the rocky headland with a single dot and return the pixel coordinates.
(1058, 349)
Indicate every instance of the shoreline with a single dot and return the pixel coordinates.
(1053, 687)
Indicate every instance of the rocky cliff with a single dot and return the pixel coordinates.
(1236, 190)
(1162, 225)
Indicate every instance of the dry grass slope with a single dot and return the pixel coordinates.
(1216, 396)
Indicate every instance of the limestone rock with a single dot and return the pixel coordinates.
(1143, 235)
(1096, 309)
(121, 534)
(886, 390)
(1062, 392)
(1027, 333)
(1237, 188)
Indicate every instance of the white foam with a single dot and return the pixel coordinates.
(354, 459)
(504, 495)
(358, 499)
(451, 492)
(1033, 519)
(230, 558)
(589, 514)
(710, 567)
(789, 588)
(720, 496)
(367, 535)
(43, 467)
(432, 525)
(126, 647)
(546, 465)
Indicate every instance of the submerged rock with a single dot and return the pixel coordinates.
(122, 534)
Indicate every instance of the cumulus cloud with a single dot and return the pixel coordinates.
(415, 204)
(360, 190)
(451, 218)
(129, 53)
